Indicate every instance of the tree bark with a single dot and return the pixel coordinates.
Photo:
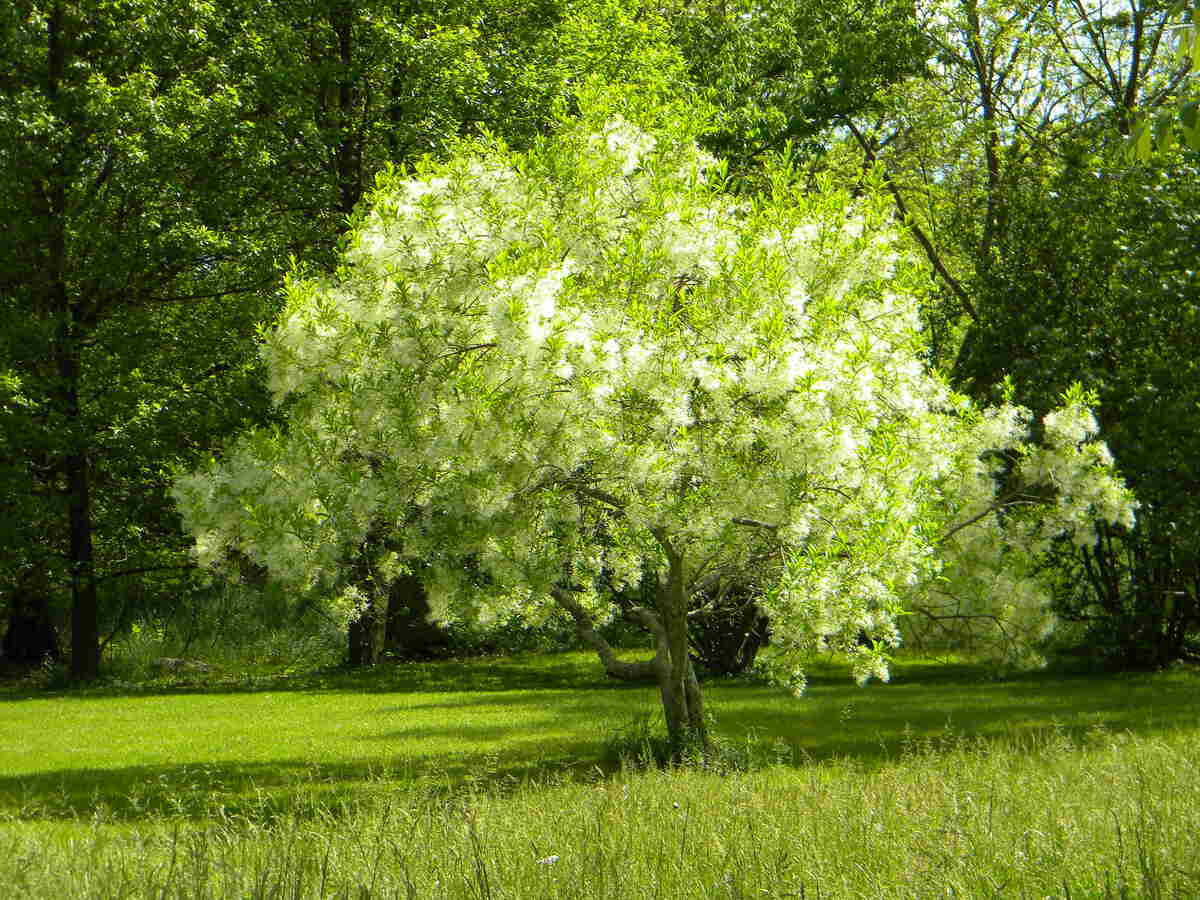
(683, 703)
(366, 633)
(671, 667)
(67, 312)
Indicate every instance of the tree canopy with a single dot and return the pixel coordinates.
(560, 372)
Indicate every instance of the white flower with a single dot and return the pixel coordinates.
(627, 143)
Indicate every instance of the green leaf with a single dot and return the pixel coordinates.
(1140, 143)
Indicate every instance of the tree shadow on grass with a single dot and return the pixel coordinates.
(571, 670)
(262, 791)
(879, 723)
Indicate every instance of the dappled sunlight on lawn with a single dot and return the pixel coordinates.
(446, 726)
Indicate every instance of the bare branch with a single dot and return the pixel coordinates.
(1002, 503)
(910, 222)
(754, 523)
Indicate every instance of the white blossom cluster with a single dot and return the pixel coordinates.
(546, 369)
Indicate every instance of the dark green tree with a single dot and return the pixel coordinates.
(783, 72)
(161, 163)
(138, 259)
(1095, 279)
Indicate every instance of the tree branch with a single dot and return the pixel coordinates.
(754, 523)
(144, 569)
(999, 504)
(931, 253)
(625, 670)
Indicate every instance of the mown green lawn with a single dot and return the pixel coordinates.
(471, 770)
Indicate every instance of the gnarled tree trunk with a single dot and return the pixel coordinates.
(670, 668)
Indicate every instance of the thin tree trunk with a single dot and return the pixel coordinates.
(638, 670)
(85, 607)
(366, 633)
(348, 152)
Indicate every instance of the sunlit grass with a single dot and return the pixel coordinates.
(195, 751)
(456, 778)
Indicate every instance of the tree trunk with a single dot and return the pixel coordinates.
(31, 637)
(671, 668)
(85, 606)
(347, 154)
(683, 705)
(366, 634)
(409, 632)
(85, 614)
(68, 341)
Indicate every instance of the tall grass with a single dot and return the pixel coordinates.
(1105, 815)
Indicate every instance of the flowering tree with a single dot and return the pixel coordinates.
(560, 373)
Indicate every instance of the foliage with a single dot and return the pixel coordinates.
(579, 364)
(1182, 124)
(1007, 89)
(143, 147)
(781, 73)
(136, 240)
(1004, 160)
(1094, 279)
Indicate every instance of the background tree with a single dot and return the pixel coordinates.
(1095, 280)
(782, 73)
(136, 233)
(143, 150)
(1038, 261)
(1163, 129)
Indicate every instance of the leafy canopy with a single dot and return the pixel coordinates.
(555, 372)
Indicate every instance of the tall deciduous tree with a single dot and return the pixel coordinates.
(558, 371)
(1032, 237)
(160, 163)
(1095, 278)
(133, 202)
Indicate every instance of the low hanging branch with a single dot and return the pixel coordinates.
(625, 670)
